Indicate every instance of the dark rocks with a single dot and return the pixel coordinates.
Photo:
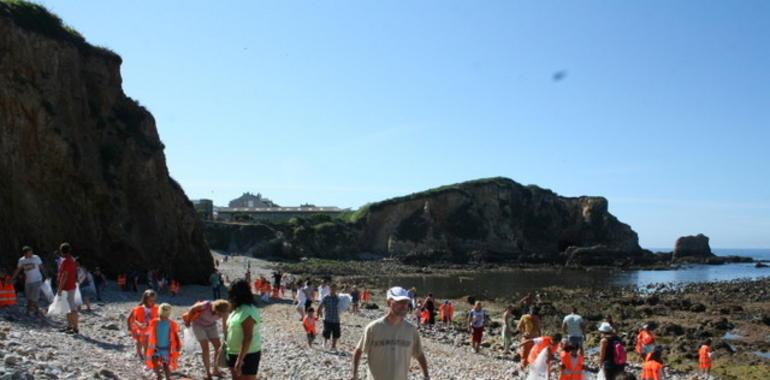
(692, 247)
(698, 308)
(83, 162)
(671, 329)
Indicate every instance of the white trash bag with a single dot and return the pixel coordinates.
(59, 305)
(600, 375)
(538, 370)
(78, 297)
(189, 343)
(46, 290)
(344, 302)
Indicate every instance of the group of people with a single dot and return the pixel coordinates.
(158, 345)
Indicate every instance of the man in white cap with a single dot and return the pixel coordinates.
(391, 342)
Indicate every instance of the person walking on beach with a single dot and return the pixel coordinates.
(509, 328)
(390, 342)
(527, 302)
(31, 264)
(100, 282)
(476, 319)
(330, 311)
(572, 361)
(202, 317)
(429, 305)
(612, 354)
(704, 358)
(87, 287)
(138, 320)
(215, 280)
(530, 328)
(67, 282)
(162, 343)
(645, 341)
(323, 290)
(243, 340)
(355, 298)
(652, 369)
(572, 327)
(308, 323)
(446, 310)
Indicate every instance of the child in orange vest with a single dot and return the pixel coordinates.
(652, 369)
(138, 320)
(572, 361)
(547, 345)
(308, 322)
(645, 341)
(704, 358)
(163, 343)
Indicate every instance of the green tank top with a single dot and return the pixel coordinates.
(235, 330)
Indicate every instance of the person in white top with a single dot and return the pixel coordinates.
(33, 279)
(572, 326)
(323, 291)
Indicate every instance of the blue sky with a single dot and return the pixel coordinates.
(664, 110)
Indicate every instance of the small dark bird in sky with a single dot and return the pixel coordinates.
(559, 75)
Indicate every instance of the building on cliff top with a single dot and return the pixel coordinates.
(255, 208)
(249, 200)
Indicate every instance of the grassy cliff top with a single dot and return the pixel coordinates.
(37, 19)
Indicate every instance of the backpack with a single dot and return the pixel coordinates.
(618, 353)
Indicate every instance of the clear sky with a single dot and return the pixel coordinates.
(663, 108)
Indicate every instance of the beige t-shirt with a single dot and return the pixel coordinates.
(389, 349)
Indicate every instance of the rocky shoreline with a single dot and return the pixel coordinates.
(31, 349)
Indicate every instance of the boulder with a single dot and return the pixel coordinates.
(692, 248)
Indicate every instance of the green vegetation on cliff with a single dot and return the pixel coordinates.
(36, 18)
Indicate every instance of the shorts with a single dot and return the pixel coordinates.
(250, 362)
(575, 341)
(308, 304)
(205, 333)
(477, 333)
(331, 330)
(32, 291)
(71, 301)
(310, 337)
(161, 354)
(88, 291)
(445, 319)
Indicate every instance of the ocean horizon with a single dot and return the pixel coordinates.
(754, 253)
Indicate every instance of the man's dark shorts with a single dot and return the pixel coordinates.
(308, 304)
(250, 362)
(331, 330)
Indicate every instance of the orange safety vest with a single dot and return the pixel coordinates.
(544, 344)
(425, 316)
(704, 357)
(189, 316)
(651, 370)
(174, 288)
(309, 325)
(365, 296)
(645, 338)
(139, 317)
(7, 292)
(571, 369)
(122, 280)
(173, 341)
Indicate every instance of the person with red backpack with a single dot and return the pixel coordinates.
(612, 352)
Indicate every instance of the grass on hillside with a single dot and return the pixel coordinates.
(36, 18)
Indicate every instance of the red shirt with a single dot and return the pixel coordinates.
(70, 267)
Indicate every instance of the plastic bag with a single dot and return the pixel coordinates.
(600, 375)
(46, 290)
(78, 297)
(538, 370)
(344, 302)
(189, 343)
(59, 305)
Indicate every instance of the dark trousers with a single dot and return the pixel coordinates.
(216, 290)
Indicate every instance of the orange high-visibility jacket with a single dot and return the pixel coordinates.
(309, 325)
(122, 280)
(173, 339)
(546, 343)
(652, 370)
(174, 288)
(645, 338)
(571, 369)
(7, 292)
(137, 317)
(704, 357)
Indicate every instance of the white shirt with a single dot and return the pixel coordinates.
(31, 268)
(323, 291)
(573, 323)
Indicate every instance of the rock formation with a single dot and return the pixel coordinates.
(692, 248)
(488, 220)
(493, 220)
(82, 162)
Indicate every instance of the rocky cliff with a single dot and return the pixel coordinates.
(488, 220)
(82, 162)
(493, 220)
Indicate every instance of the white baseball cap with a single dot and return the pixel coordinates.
(398, 293)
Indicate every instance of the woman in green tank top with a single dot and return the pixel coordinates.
(244, 342)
